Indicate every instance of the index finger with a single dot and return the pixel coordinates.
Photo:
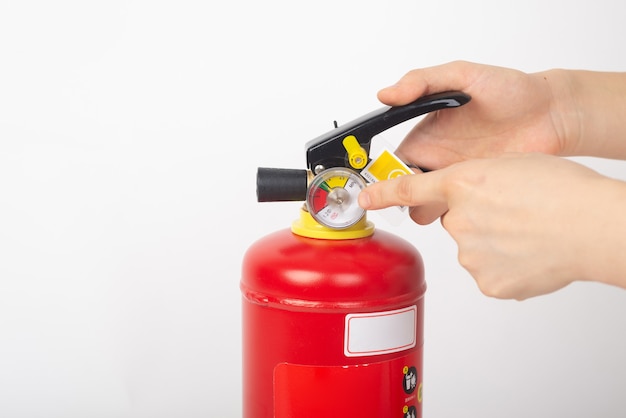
(409, 190)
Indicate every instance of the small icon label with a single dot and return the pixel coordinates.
(410, 412)
(409, 381)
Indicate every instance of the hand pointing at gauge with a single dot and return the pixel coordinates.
(522, 222)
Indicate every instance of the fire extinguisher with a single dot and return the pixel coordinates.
(332, 308)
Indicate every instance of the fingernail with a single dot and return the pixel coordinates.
(393, 86)
(364, 200)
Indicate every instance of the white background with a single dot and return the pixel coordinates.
(130, 134)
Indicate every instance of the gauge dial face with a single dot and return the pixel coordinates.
(332, 198)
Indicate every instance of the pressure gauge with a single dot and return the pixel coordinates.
(332, 197)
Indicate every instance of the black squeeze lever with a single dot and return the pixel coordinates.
(328, 150)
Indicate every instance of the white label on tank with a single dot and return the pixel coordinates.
(375, 333)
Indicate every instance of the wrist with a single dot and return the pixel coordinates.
(589, 108)
(602, 228)
(565, 109)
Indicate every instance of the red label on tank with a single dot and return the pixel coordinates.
(390, 388)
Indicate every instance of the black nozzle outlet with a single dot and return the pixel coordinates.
(281, 184)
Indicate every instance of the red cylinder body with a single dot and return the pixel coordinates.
(332, 328)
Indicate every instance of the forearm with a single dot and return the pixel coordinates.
(589, 109)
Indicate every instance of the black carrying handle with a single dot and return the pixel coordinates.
(398, 114)
(328, 150)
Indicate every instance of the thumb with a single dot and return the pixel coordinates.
(457, 75)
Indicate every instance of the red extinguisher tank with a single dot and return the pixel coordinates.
(332, 324)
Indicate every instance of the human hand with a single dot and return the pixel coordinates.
(522, 222)
(510, 111)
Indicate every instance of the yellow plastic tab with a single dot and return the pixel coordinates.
(308, 227)
(357, 156)
(385, 167)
